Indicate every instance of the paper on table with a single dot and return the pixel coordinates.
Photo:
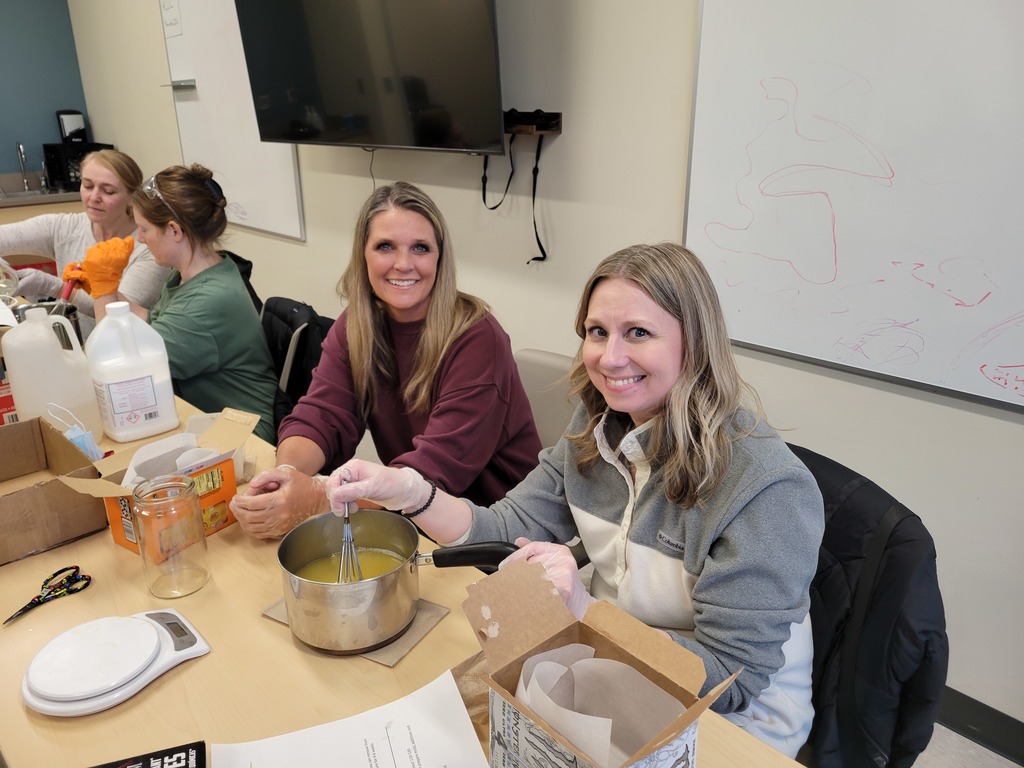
(7, 316)
(607, 709)
(429, 727)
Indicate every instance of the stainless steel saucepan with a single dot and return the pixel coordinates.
(354, 617)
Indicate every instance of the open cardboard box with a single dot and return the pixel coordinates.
(39, 512)
(214, 477)
(516, 614)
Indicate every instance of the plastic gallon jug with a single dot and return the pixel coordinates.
(128, 363)
(43, 372)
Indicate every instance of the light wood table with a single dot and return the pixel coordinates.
(257, 681)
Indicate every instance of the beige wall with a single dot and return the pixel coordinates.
(623, 75)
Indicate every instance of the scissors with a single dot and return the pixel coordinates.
(66, 581)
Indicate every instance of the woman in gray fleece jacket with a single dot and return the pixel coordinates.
(697, 518)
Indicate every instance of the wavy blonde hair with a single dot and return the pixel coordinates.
(449, 314)
(693, 432)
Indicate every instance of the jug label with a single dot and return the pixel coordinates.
(132, 401)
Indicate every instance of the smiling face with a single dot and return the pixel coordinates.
(632, 348)
(401, 262)
(104, 196)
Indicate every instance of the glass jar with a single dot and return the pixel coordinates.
(172, 538)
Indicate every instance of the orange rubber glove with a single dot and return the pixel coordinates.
(100, 273)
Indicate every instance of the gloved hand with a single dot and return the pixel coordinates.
(35, 282)
(392, 488)
(8, 279)
(100, 273)
(560, 567)
(279, 499)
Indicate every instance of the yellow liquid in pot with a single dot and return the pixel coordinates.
(372, 563)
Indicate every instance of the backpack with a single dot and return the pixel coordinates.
(880, 644)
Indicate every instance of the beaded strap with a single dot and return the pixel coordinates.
(430, 500)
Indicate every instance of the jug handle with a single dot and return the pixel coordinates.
(72, 336)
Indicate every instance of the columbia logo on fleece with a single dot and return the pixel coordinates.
(671, 543)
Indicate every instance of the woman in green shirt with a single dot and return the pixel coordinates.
(215, 344)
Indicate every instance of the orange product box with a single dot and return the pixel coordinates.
(213, 473)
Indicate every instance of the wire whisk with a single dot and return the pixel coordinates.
(61, 307)
(348, 558)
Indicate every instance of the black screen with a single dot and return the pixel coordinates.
(375, 73)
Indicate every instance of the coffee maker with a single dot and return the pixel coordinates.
(64, 161)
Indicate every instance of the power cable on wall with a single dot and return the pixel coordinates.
(536, 123)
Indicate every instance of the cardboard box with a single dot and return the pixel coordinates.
(39, 512)
(214, 477)
(516, 614)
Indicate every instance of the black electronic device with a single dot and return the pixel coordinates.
(409, 74)
(72, 126)
(64, 163)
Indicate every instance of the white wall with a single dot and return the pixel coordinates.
(622, 74)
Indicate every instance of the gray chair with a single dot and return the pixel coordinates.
(545, 378)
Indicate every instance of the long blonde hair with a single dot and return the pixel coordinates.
(449, 314)
(693, 432)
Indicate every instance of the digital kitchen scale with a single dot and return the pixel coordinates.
(99, 664)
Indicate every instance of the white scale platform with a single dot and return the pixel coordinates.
(101, 663)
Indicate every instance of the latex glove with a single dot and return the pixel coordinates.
(392, 488)
(100, 273)
(279, 499)
(559, 567)
(35, 282)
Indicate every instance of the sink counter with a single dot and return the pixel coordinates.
(15, 199)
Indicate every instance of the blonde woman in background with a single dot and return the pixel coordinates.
(109, 178)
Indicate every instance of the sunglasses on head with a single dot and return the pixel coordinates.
(151, 191)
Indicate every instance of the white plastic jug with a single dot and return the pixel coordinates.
(43, 372)
(128, 363)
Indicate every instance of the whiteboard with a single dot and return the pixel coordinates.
(856, 185)
(217, 119)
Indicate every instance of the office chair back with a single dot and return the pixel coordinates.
(295, 334)
(545, 379)
(880, 644)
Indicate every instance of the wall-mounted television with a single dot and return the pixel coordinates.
(409, 74)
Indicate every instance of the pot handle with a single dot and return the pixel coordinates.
(479, 553)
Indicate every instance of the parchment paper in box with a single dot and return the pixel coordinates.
(516, 613)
